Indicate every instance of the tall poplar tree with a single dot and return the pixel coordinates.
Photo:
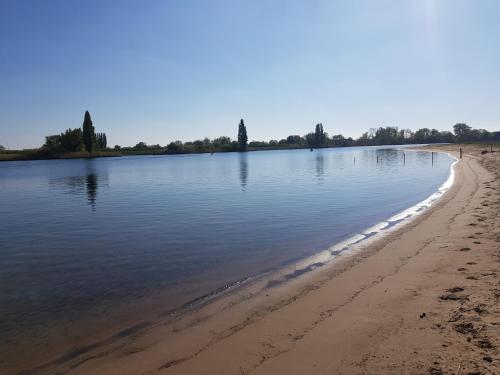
(101, 142)
(88, 133)
(319, 136)
(242, 136)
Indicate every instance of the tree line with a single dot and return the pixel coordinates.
(390, 135)
(219, 144)
(79, 139)
(87, 139)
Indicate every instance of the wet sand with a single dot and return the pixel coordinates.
(424, 299)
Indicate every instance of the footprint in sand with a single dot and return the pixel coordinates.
(455, 289)
(465, 328)
(484, 344)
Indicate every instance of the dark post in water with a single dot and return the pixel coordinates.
(460, 152)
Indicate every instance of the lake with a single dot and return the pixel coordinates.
(89, 242)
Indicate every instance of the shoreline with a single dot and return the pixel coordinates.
(31, 154)
(356, 243)
(245, 307)
(360, 241)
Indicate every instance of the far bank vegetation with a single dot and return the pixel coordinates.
(86, 142)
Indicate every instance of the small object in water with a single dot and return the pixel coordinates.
(422, 315)
(311, 148)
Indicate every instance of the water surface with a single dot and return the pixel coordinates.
(81, 239)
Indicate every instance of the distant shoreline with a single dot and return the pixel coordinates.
(26, 155)
(36, 154)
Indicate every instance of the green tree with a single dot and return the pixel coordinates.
(2, 148)
(478, 135)
(319, 136)
(339, 140)
(101, 141)
(71, 140)
(175, 147)
(53, 144)
(310, 140)
(222, 140)
(294, 140)
(422, 135)
(199, 146)
(462, 132)
(446, 137)
(387, 136)
(222, 144)
(242, 136)
(88, 133)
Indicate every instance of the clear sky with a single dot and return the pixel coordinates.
(158, 71)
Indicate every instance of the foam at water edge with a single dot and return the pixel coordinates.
(376, 231)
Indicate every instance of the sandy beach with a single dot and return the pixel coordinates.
(422, 300)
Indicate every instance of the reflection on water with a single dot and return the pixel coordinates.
(425, 159)
(91, 183)
(85, 184)
(243, 166)
(389, 157)
(320, 165)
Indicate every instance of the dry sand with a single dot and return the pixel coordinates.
(423, 300)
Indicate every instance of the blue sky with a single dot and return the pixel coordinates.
(158, 71)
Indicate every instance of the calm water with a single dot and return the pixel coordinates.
(81, 237)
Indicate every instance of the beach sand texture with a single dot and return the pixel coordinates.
(422, 300)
